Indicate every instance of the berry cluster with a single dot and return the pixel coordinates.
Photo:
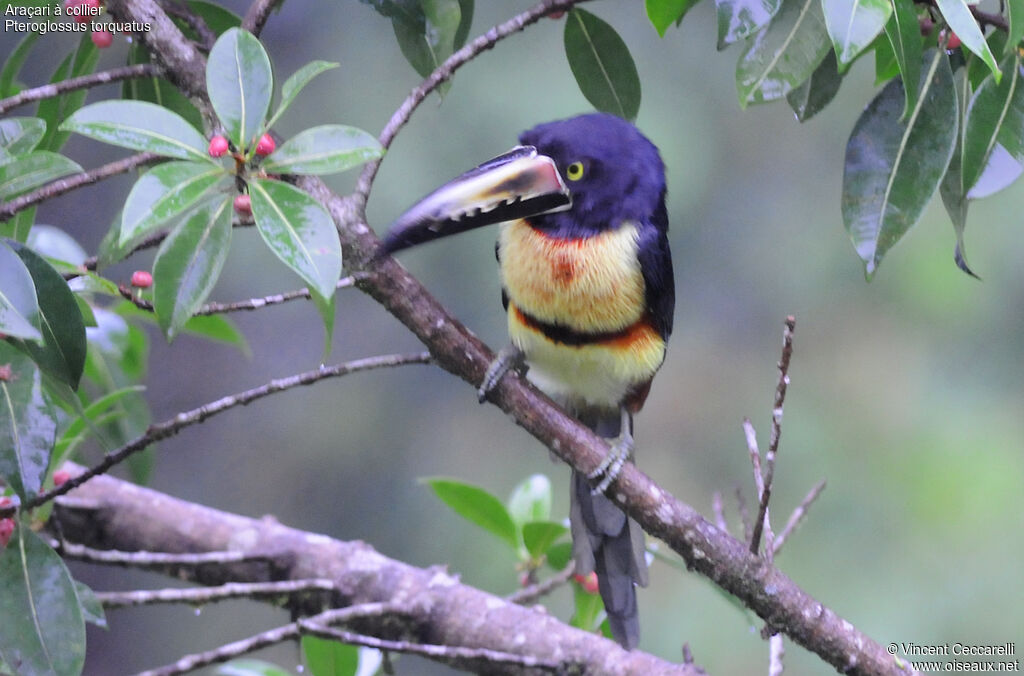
(84, 11)
(219, 146)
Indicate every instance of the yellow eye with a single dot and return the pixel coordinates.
(574, 171)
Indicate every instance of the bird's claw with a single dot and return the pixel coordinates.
(508, 357)
(618, 453)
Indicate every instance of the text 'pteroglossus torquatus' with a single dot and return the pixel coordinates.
(587, 283)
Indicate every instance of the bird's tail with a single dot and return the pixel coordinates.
(606, 541)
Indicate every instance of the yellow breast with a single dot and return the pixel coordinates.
(590, 285)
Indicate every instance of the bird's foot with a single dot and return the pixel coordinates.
(618, 453)
(509, 357)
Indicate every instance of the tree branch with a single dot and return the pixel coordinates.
(424, 606)
(204, 595)
(69, 183)
(102, 77)
(257, 14)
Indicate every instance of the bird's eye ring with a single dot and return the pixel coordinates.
(574, 171)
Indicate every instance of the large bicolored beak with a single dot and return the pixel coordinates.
(518, 184)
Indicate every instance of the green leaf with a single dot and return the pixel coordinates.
(325, 306)
(602, 64)
(299, 231)
(250, 667)
(8, 75)
(240, 83)
(663, 13)
(18, 227)
(44, 631)
(98, 413)
(24, 172)
(886, 66)
(219, 329)
(92, 609)
(1000, 172)
(1011, 131)
(189, 262)
(465, 21)
(892, 167)
(216, 17)
(62, 353)
(817, 91)
(19, 307)
(329, 658)
(139, 125)
(782, 56)
(327, 149)
(738, 19)
(1015, 9)
(19, 135)
(478, 506)
(295, 84)
(156, 89)
(426, 33)
(989, 108)
(904, 34)
(538, 536)
(531, 500)
(165, 192)
(559, 555)
(854, 24)
(28, 427)
(54, 110)
(957, 14)
(54, 243)
(589, 609)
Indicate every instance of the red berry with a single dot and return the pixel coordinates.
(102, 39)
(954, 41)
(588, 582)
(6, 531)
(265, 145)
(60, 477)
(142, 279)
(5, 375)
(5, 502)
(218, 146)
(243, 204)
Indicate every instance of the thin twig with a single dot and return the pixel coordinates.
(443, 652)
(241, 305)
(257, 14)
(755, 455)
(274, 636)
(48, 91)
(185, 419)
(181, 10)
(741, 507)
(776, 651)
(154, 560)
(204, 595)
(69, 183)
(776, 430)
(798, 515)
(445, 71)
(718, 509)
(536, 591)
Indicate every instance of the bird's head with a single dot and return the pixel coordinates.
(570, 178)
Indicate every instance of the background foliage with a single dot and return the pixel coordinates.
(907, 392)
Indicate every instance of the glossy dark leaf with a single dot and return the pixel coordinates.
(893, 167)
(158, 90)
(189, 263)
(299, 231)
(1011, 130)
(327, 149)
(217, 18)
(854, 24)
(92, 609)
(57, 109)
(426, 31)
(952, 189)
(738, 19)
(18, 227)
(19, 307)
(886, 67)
(664, 13)
(329, 658)
(240, 82)
(44, 631)
(904, 34)
(28, 427)
(957, 14)
(531, 500)
(54, 243)
(140, 125)
(9, 85)
(779, 58)
(166, 192)
(538, 536)
(62, 353)
(19, 135)
(602, 64)
(989, 109)
(478, 506)
(22, 173)
(295, 84)
(1015, 10)
(817, 91)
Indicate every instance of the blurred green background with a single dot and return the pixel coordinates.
(907, 393)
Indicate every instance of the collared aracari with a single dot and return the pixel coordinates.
(588, 287)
